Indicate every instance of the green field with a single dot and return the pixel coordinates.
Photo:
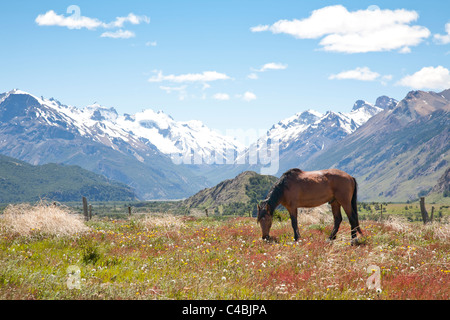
(410, 211)
(162, 256)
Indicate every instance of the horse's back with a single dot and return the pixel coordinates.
(323, 175)
(336, 173)
(324, 184)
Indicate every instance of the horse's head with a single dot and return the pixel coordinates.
(265, 219)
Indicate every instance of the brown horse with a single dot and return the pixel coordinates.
(297, 188)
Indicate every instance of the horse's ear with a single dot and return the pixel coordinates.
(257, 205)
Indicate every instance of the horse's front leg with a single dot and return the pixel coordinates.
(295, 224)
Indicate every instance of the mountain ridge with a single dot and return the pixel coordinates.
(41, 131)
(139, 149)
(397, 154)
(306, 133)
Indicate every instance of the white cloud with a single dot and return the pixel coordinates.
(173, 89)
(77, 21)
(221, 96)
(205, 76)
(363, 74)
(405, 50)
(384, 79)
(358, 31)
(131, 18)
(428, 78)
(272, 66)
(267, 67)
(182, 93)
(443, 39)
(119, 34)
(249, 96)
(151, 44)
(50, 18)
(259, 28)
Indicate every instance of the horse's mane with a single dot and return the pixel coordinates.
(276, 192)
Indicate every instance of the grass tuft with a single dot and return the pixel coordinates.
(41, 219)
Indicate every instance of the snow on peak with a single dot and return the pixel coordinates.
(98, 112)
(18, 91)
(313, 112)
(289, 129)
(158, 129)
(171, 136)
(362, 111)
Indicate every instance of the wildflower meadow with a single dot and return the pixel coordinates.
(162, 256)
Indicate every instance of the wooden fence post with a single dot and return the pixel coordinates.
(85, 208)
(129, 211)
(423, 210)
(90, 211)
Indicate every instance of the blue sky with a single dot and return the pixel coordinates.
(231, 64)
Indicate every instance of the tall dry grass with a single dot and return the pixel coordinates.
(436, 230)
(317, 215)
(41, 219)
(166, 222)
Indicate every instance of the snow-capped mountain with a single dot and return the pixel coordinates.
(154, 129)
(305, 133)
(129, 148)
(176, 137)
(288, 130)
(398, 154)
(139, 149)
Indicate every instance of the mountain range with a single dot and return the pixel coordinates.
(398, 154)
(40, 131)
(141, 150)
(309, 132)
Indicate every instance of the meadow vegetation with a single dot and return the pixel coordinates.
(49, 252)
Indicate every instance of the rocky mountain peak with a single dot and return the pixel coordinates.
(360, 104)
(386, 103)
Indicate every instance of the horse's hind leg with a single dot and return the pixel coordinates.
(353, 221)
(336, 209)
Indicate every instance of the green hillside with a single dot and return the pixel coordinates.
(237, 195)
(23, 182)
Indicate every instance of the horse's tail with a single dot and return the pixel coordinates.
(355, 207)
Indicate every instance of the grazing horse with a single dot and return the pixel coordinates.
(307, 189)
